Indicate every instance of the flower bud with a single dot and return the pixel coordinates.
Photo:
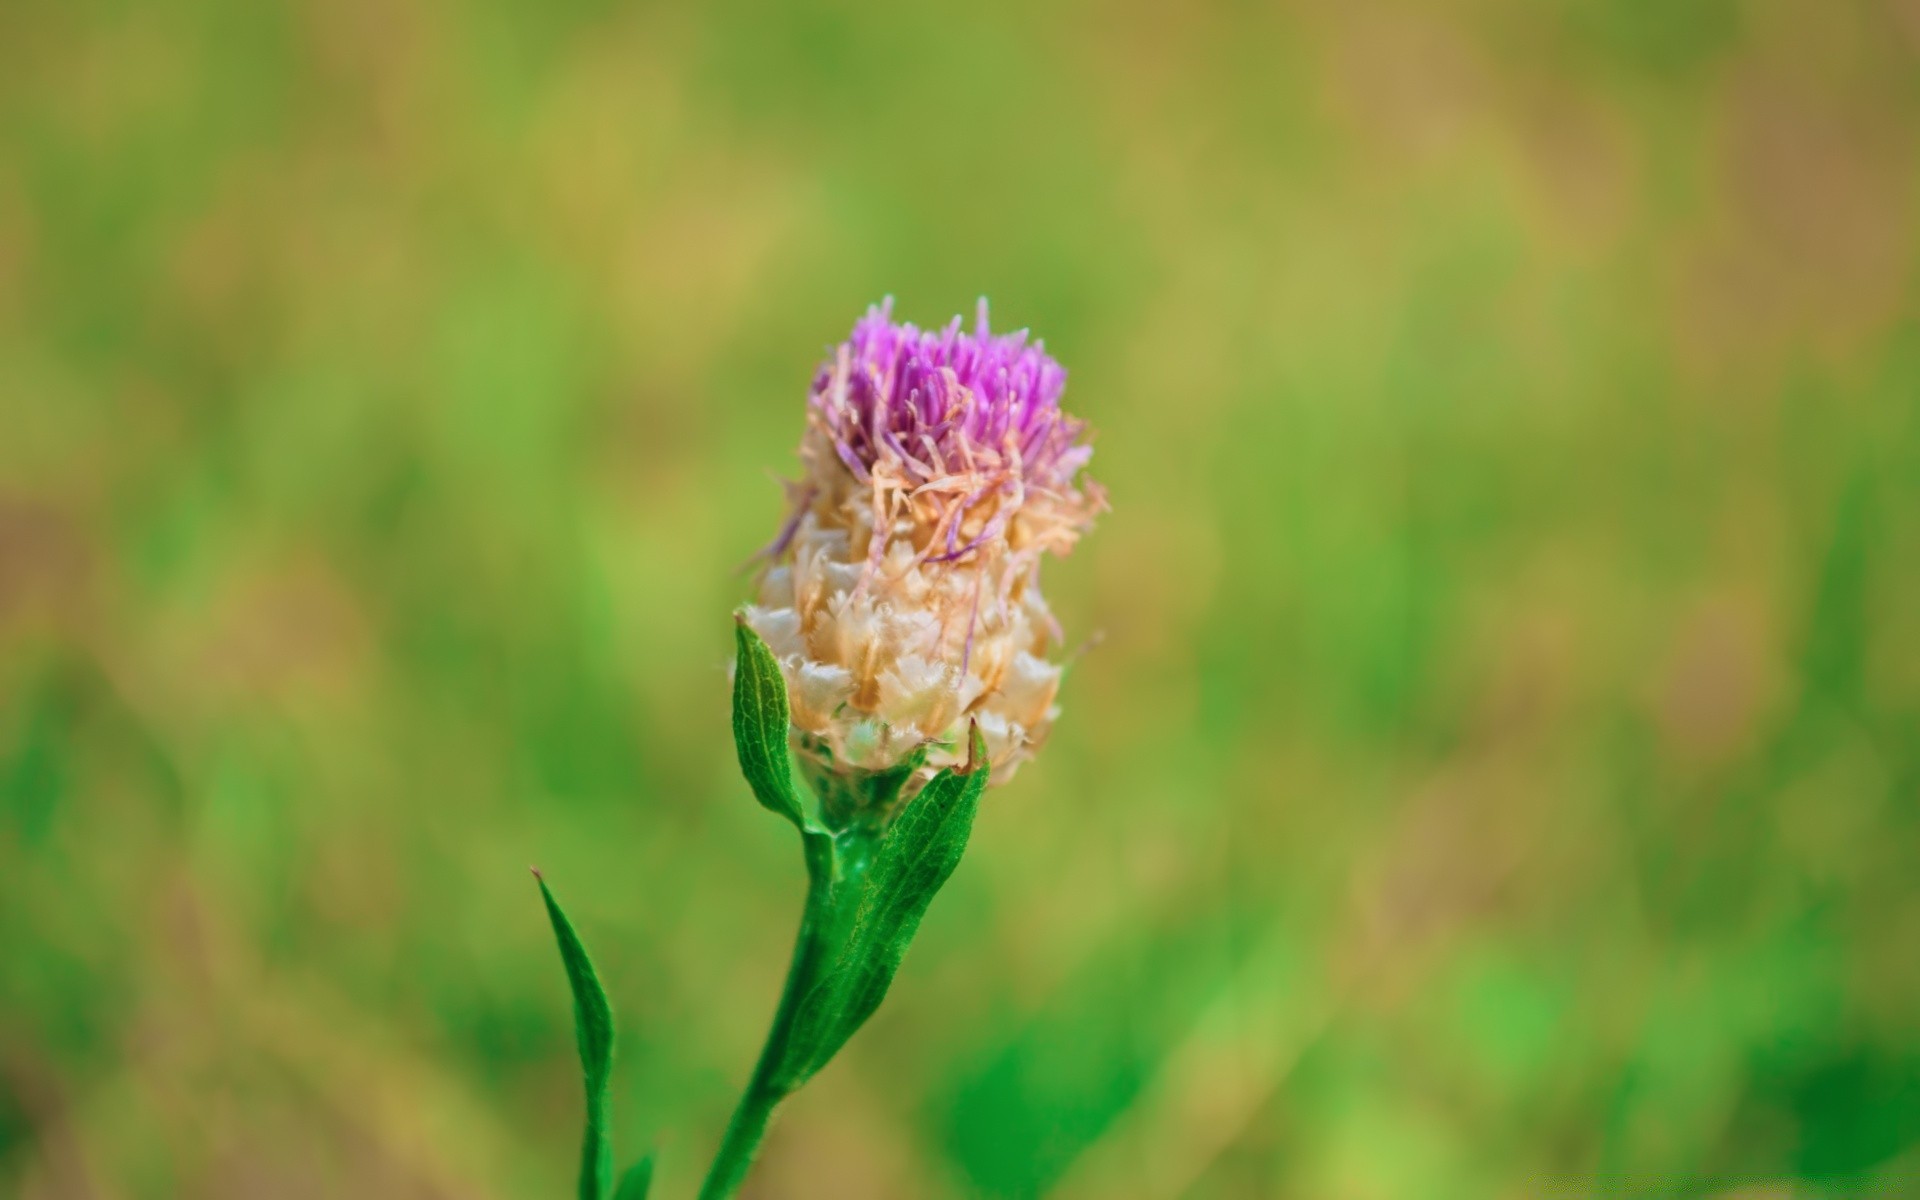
(902, 596)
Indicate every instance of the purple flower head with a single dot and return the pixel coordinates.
(942, 405)
(902, 596)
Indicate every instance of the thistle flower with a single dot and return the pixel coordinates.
(902, 596)
(898, 620)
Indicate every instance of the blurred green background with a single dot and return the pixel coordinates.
(1498, 774)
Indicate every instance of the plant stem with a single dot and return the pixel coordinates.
(767, 1089)
(737, 1149)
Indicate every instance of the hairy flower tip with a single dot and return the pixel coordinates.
(902, 596)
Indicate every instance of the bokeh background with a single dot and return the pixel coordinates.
(1497, 773)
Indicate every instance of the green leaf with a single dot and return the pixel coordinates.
(875, 908)
(636, 1182)
(760, 725)
(917, 857)
(593, 1028)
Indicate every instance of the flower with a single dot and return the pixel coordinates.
(902, 596)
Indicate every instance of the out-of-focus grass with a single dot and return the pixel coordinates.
(1498, 776)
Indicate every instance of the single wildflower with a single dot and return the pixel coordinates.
(902, 595)
(899, 642)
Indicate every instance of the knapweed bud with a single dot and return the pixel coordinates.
(902, 596)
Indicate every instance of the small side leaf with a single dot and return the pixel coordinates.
(760, 724)
(593, 1029)
(910, 865)
(636, 1182)
(919, 853)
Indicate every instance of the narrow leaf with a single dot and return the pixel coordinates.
(760, 725)
(636, 1182)
(593, 1029)
(912, 862)
(922, 848)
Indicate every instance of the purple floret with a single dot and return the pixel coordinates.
(943, 403)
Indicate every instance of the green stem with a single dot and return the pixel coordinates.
(737, 1149)
(768, 1087)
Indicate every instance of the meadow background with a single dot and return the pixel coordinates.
(1497, 772)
